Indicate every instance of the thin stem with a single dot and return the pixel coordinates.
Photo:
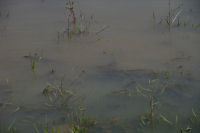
(169, 15)
(151, 113)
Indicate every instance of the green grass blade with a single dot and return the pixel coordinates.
(11, 125)
(166, 120)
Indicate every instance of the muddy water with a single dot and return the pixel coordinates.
(103, 70)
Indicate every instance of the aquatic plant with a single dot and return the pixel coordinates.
(172, 15)
(8, 129)
(58, 96)
(195, 120)
(155, 117)
(33, 61)
(167, 75)
(70, 7)
(78, 121)
(44, 126)
(151, 118)
(77, 23)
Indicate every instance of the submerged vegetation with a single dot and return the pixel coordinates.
(77, 23)
(74, 120)
(4, 14)
(155, 117)
(58, 96)
(174, 17)
(33, 60)
(9, 129)
(153, 98)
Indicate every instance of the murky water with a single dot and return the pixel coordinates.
(127, 53)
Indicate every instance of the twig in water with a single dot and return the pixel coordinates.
(103, 29)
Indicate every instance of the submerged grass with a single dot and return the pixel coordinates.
(33, 62)
(155, 118)
(76, 22)
(172, 16)
(78, 121)
(34, 59)
(9, 129)
(45, 127)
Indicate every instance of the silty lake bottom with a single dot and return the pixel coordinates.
(99, 66)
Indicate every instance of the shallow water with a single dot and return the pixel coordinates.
(103, 70)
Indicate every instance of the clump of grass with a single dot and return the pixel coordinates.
(58, 96)
(33, 59)
(172, 15)
(152, 94)
(78, 121)
(77, 24)
(154, 117)
(70, 7)
(45, 126)
(73, 122)
(9, 129)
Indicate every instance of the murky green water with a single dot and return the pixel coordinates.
(128, 60)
